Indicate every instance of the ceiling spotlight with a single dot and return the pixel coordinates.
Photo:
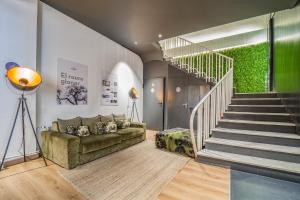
(160, 35)
(136, 43)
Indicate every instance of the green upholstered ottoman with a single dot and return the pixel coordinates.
(175, 140)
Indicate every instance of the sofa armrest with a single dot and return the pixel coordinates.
(61, 148)
(138, 125)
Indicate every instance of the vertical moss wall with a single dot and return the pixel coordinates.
(287, 50)
(250, 67)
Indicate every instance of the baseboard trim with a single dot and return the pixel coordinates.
(20, 159)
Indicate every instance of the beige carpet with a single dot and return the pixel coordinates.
(139, 172)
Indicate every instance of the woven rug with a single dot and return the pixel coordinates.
(139, 172)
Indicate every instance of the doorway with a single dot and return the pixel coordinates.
(154, 103)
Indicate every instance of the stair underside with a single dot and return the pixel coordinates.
(251, 160)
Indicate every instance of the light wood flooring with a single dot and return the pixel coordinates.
(198, 181)
(32, 181)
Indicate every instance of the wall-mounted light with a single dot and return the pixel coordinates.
(178, 89)
(135, 43)
(159, 35)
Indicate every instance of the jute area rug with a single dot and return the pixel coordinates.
(139, 172)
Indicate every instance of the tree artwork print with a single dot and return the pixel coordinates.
(72, 83)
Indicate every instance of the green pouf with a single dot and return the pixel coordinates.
(175, 140)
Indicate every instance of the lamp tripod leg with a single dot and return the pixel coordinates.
(132, 113)
(35, 135)
(137, 114)
(10, 136)
(23, 128)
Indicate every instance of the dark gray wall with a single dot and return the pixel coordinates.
(174, 114)
(156, 69)
(180, 104)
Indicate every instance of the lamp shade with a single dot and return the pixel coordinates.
(24, 78)
(133, 93)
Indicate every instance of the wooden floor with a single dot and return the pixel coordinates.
(198, 181)
(32, 180)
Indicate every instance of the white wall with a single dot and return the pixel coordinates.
(63, 37)
(249, 38)
(17, 43)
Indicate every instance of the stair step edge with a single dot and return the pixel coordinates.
(259, 133)
(255, 145)
(258, 122)
(253, 161)
(257, 99)
(260, 106)
(257, 113)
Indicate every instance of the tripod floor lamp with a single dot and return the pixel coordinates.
(23, 80)
(134, 95)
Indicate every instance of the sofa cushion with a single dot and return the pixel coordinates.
(99, 128)
(129, 133)
(122, 123)
(109, 127)
(71, 130)
(54, 126)
(91, 123)
(97, 142)
(83, 131)
(119, 117)
(63, 123)
(107, 118)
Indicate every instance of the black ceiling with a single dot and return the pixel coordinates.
(126, 21)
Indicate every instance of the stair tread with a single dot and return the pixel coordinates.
(256, 93)
(259, 133)
(257, 99)
(257, 122)
(258, 113)
(250, 160)
(255, 145)
(280, 106)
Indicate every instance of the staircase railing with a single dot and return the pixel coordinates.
(210, 110)
(196, 59)
(214, 68)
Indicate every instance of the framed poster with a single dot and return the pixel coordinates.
(72, 83)
(109, 95)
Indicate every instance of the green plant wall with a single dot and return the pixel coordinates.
(250, 67)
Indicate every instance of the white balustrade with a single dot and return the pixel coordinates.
(212, 67)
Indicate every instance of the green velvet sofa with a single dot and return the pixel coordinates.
(70, 151)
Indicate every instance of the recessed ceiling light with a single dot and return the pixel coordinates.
(136, 43)
(160, 35)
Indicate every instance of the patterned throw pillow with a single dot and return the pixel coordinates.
(99, 128)
(83, 131)
(110, 127)
(71, 130)
(124, 123)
